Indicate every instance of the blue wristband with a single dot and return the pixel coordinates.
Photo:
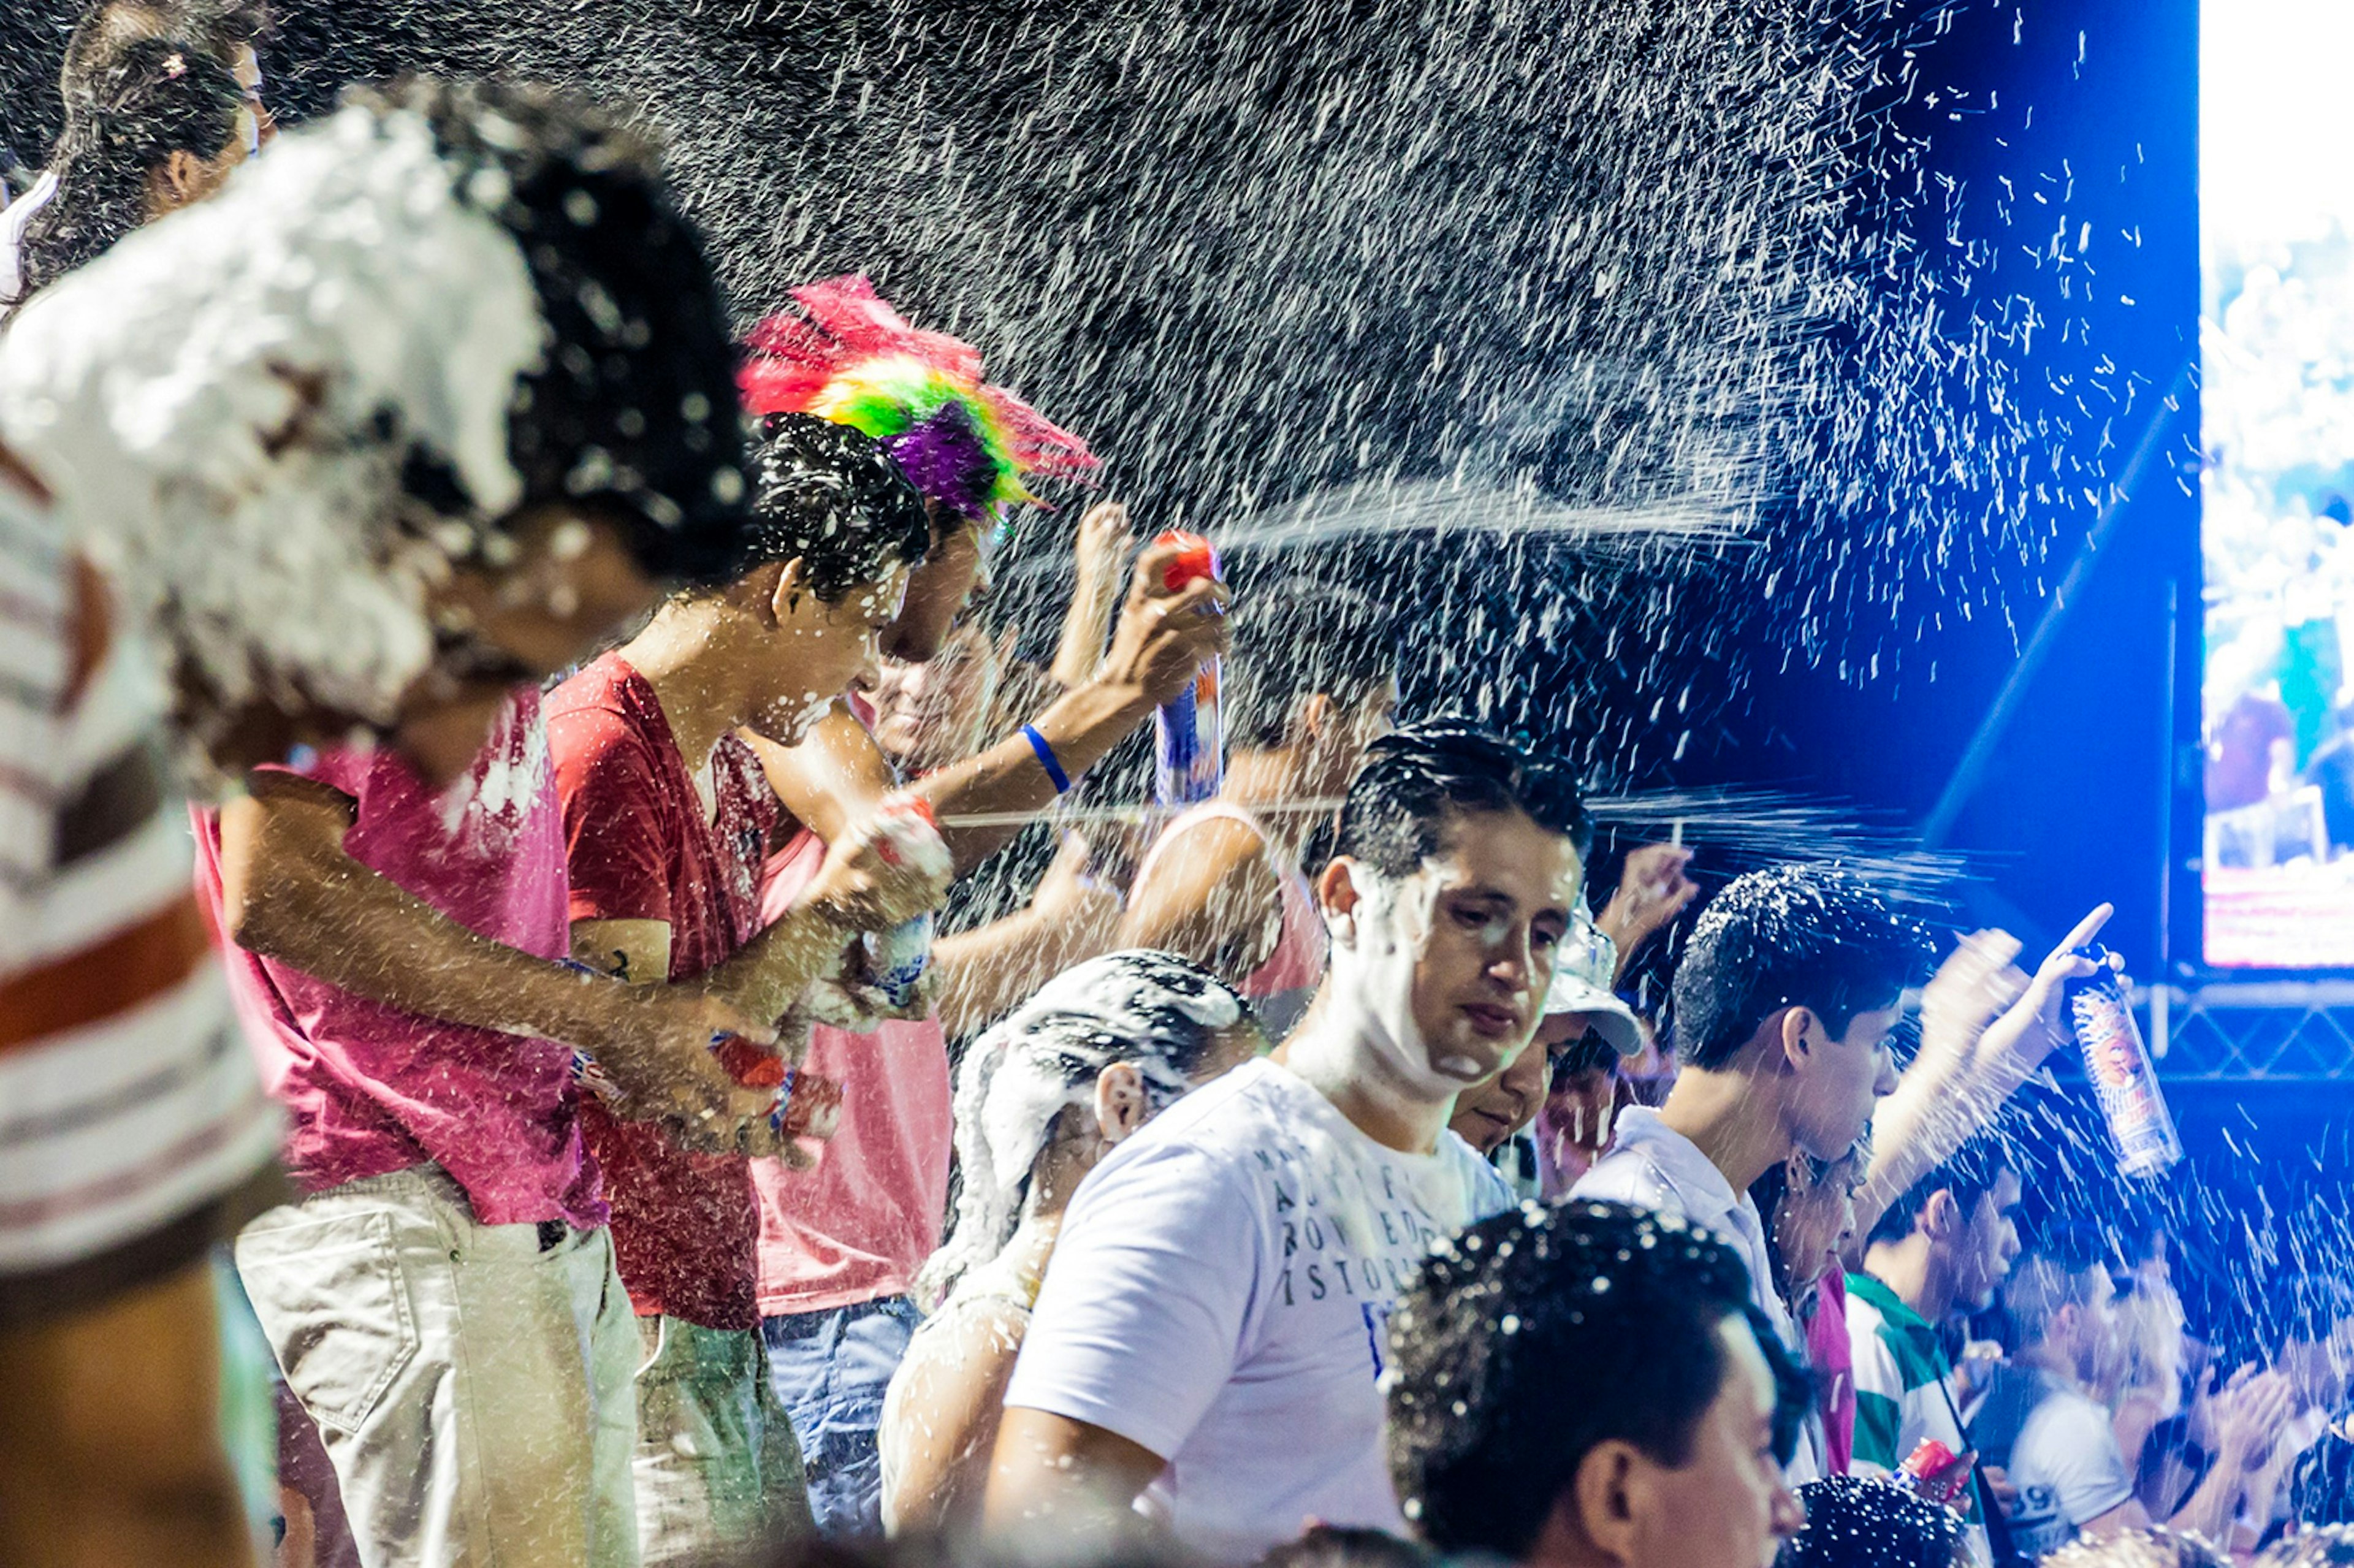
(1046, 759)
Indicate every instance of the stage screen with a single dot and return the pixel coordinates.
(2276, 351)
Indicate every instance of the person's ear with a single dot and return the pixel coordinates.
(177, 181)
(792, 581)
(1122, 1106)
(1796, 1046)
(1311, 718)
(1603, 1505)
(1941, 1216)
(1337, 896)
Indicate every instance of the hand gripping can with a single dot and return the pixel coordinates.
(897, 959)
(1190, 762)
(2122, 1074)
(807, 1106)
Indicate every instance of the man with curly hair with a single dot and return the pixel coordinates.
(667, 822)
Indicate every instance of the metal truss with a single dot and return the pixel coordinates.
(2253, 1032)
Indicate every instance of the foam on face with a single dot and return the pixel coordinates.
(224, 401)
(1374, 953)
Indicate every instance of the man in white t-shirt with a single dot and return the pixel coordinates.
(2040, 1421)
(1209, 1337)
(1784, 1000)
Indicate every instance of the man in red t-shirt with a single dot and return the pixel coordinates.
(666, 820)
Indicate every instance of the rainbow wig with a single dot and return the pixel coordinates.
(846, 355)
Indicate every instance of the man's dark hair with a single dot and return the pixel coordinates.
(1349, 1546)
(1534, 1337)
(1299, 639)
(2055, 1270)
(2158, 1547)
(1808, 936)
(155, 98)
(830, 497)
(634, 408)
(1969, 1173)
(1419, 780)
(1857, 1521)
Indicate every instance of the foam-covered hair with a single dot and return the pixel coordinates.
(845, 354)
(1153, 1008)
(283, 413)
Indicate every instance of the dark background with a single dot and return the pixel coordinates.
(1884, 294)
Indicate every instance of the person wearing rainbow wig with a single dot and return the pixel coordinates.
(846, 355)
(841, 1243)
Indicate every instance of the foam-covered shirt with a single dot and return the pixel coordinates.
(1220, 1295)
(372, 1089)
(642, 846)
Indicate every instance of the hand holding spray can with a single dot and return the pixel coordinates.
(2123, 1078)
(1190, 762)
(906, 833)
(807, 1106)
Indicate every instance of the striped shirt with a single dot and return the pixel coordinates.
(127, 1102)
(1901, 1398)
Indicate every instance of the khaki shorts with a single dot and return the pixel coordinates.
(472, 1386)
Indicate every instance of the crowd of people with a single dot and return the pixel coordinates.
(546, 1049)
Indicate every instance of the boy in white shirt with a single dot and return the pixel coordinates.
(1783, 1001)
(1213, 1327)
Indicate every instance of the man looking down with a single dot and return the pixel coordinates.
(1212, 1331)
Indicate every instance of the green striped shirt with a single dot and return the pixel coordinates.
(1901, 1378)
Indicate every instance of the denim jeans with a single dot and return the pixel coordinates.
(831, 1370)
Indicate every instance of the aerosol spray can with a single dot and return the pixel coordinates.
(2119, 1067)
(1191, 761)
(897, 959)
(807, 1106)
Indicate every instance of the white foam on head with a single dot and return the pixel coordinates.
(1019, 1076)
(205, 399)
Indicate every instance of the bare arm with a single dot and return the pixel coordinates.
(1968, 1066)
(292, 893)
(2128, 1515)
(835, 776)
(1160, 642)
(986, 973)
(1102, 543)
(2248, 1420)
(1209, 896)
(941, 1428)
(1050, 1473)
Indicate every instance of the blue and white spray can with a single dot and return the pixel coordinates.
(1190, 760)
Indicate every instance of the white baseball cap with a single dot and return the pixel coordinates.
(1582, 974)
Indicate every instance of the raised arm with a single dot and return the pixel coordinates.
(985, 973)
(1102, 544)
(1968, 1066)
(292, 893)
(1160, 642)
